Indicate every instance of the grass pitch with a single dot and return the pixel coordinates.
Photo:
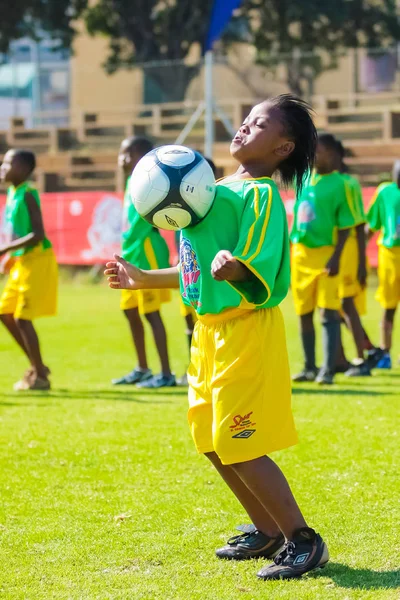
(103, 496)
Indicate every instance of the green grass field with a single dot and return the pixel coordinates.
(104, 497)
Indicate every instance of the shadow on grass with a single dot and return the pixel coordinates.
(336, 390)
(362, 579)
(122, 395)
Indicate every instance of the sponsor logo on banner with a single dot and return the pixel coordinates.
(104, 233)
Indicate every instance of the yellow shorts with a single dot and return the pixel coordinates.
(311, 286)
(186, 310)
(147, 301)
(388, 294)
(349, 286)
(239, 385)
(32, 286)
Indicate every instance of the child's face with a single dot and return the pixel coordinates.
(261, 138)
(11, 169)
(127, 158)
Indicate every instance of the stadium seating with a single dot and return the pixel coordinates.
(78, 151)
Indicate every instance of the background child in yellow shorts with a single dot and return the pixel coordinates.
(31, 289)
(384, 216)
(322, 219)
(239, 382)
(143, 245)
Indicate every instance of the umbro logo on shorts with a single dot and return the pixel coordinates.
(243, 435)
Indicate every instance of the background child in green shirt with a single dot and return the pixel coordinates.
(143, 245)
(239, 355)
(31, 290)
(384, 216)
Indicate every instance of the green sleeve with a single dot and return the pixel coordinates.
(263, 238)
(346, 215)
(374, 214)
(358, 202)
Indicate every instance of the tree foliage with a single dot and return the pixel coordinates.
(307, 34)
(34, 18)
(156, 30)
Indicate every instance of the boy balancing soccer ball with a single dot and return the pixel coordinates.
(31, 289)
(234, 270)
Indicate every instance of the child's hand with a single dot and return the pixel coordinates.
(332, 266)
(122, 275)
(226, 268)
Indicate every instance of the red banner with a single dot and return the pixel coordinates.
(85, 227)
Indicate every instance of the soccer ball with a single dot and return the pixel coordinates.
(172, 187)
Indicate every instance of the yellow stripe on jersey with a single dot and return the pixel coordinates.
(150, 254)
(350, 202)
(257, 214)
(247, 261)
(264, 229)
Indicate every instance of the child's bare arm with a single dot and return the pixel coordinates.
(125, 276)
(37, 233)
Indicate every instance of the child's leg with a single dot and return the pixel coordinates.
(160, 338)
(268, 484)
(256, 511)
(330, 337)
(353, 322)
(31, 340)
(341, 360)
(307, 332)
(137, 331)
(10, 324)
(368, 345)
(387, 329)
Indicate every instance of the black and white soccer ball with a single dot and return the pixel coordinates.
(172, 187)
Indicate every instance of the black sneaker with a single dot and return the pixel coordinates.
(374, 356)
(135, 376)
(343, 367)
(305, 376)
(158, 381)
(306, 552)
(324, 377)
(251, 545)
(361, 370)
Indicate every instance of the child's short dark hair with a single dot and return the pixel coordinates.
(298, 123)
(27, 158)
(142, 145)
(330, 141)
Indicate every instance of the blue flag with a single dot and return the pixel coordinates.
(220, 16)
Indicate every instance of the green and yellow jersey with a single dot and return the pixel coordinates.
(355, 199)
(247, 218)
(142, 244)
(325, 205)
(17, 217)
(384, 214)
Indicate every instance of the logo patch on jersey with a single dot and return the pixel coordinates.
(190, 272)
(244, 435)
(305, 214)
